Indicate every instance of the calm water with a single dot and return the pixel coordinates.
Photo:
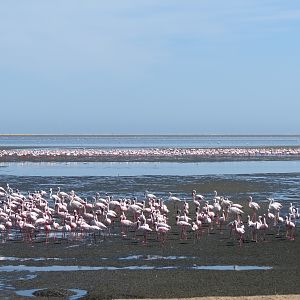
(146, 168)
(279, 179)
(146, 141)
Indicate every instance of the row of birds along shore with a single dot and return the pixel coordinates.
(66, 214)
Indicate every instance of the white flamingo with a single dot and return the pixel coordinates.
(290, 228)
(184, 226)
(254, 206)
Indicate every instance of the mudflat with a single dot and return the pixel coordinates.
(111, 265)
(123, 267)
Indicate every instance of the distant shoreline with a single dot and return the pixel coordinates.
(147, 135)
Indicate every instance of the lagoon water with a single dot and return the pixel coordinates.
(265, 178)
(143, 142)
(146, 168)
(146, 141)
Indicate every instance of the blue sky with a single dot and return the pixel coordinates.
(149, 67)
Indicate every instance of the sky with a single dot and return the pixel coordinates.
(150, 67)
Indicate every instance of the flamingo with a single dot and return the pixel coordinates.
(61, 194)
(217, 208)
(225, 203)
(274, 205)
(218, 198)
(186, 207)
(174, 199)
(66, 228)
(262, 225)
(29, 230)
(290, 228)
(144, 229)
(98, 199)
(55, 226)
(93, 229)
(254, 206)
(75, 204)
(253, 227)
(293, 210)
(184, 225)
(98, 223)
(163, 207)
(8, 224)
(47, 229)
(53, 196)
(235, 210)
(271, 216)
(221, 221)
(196, 227)
(197, 198)
(125, 224)
(3, 190)
(149, 196)
(135, 209)
(162, 232)
(240, 231)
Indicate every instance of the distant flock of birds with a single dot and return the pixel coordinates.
(25, 154)
(67, 215)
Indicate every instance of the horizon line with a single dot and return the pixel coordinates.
(147, 134)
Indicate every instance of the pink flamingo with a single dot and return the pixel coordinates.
(125, 224)
(47, 229)
(144, 229)
(290, 228)
(262, 225)
(184, 226)
(197, 229)
(162, 233)
(240, 231)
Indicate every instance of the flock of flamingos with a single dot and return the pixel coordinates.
(74, 154)
(65, 215)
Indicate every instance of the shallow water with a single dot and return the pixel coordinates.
(12, 258)
(56, 268)
(154, 257)
(127, 258)
(283, 186)
(146, 141)
(146, 168)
